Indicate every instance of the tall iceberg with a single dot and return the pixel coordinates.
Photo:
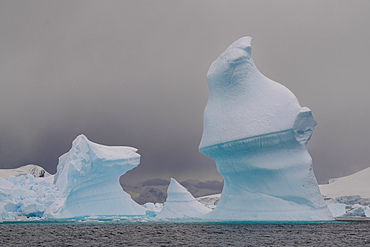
(257, 132)
(181, 204)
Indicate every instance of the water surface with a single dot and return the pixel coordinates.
(176, 234)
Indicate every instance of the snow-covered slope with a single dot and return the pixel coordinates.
(357, 184)
(349, 194)
(209, 201)
(181, 204)
(34, 170)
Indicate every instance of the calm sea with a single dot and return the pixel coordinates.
(176, 234)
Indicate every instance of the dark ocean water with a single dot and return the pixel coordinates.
(154, 234)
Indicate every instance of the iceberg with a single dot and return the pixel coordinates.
(180, 204)
(356, 211)
(5, 190)
(86, 183)
(88, 180)
(26, 197)
(257, 132)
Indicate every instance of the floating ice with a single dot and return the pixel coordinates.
(181, 204)
(26, 197)
(356, 211)
(88, 180)
(256, 131)
(86, 183)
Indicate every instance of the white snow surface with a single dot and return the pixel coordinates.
(256, 131)
(210, 201)
(357, 184)
(181, 204)
(34, 170)
(351, 191)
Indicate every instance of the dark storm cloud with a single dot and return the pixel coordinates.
(133, 73)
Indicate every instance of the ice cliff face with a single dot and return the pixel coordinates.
(256, 131)
(181, 204)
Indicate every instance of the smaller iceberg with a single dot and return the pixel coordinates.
(86, 183)
(181, 204)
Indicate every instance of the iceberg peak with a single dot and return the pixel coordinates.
(180, 203)
(178, 192)
(242, 101)
(244, 43)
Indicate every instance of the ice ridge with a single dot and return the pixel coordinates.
(181, 204)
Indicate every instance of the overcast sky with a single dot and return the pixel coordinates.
(134, 73)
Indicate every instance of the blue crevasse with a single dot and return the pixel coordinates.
(256, 131)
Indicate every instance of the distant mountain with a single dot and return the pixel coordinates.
(151, 194)
(155, 190)
(202, 188)
(34, 170)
